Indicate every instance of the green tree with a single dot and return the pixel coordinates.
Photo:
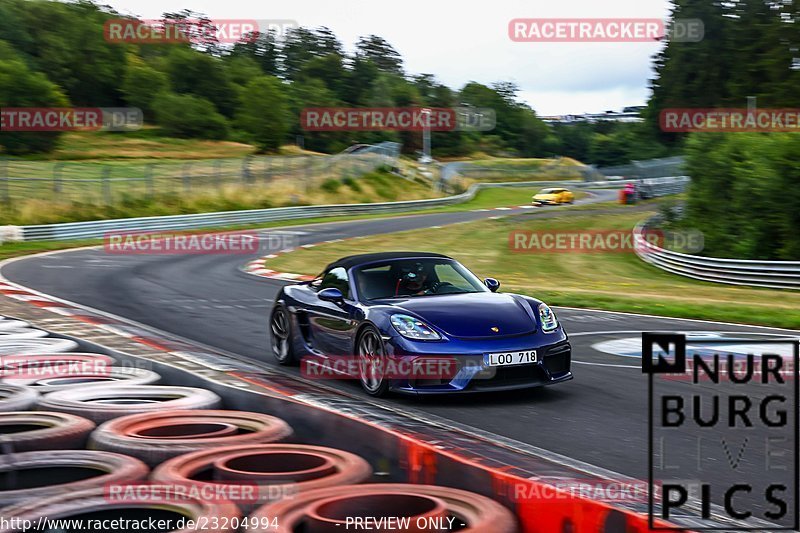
(183, 115)
(66, 42)
(191, 72)
(142, 84)
(382, 54)
(263, 112)
(20, 87)
(301, 45)
(263, 49)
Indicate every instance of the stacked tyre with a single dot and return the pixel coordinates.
(83, 437)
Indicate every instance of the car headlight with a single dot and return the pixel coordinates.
(548, 318)
(413, 328)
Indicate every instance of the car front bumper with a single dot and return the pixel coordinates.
(554, 359)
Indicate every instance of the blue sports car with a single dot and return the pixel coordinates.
(418, 323)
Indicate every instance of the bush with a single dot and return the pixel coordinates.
(353, 184)
(331, 185)
(263, 112)
(21, 87)
(189, 116)
(142, 85)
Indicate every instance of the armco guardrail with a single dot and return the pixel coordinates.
(98, 228)
(769, 274)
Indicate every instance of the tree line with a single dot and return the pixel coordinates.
(745, 189)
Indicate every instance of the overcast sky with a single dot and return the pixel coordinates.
(460, 41)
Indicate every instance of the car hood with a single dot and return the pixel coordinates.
(473, 315)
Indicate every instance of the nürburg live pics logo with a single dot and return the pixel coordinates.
(723, 438)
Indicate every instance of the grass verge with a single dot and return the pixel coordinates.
(486, 198)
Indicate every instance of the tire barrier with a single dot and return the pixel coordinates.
(280, 470)
(114, 374)
(30, 476)
(156, 437)
(210, 517)
(100, 404)
(36, 346)
(426, 507)
(21, 333)
(28, 431)
(16, 398)
(20, 366)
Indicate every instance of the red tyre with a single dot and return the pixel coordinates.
(31, 476)
(156, 437)
(281, 470)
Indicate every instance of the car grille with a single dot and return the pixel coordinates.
(558, 358)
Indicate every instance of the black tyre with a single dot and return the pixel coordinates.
(280, 336)
(371, 362)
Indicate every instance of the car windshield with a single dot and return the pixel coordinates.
(404, 278)
(547, 191)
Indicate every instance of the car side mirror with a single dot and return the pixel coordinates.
(492, 284)
(331, 295)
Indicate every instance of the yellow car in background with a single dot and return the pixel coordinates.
(555, 195)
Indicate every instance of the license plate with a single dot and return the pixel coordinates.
(510, 358)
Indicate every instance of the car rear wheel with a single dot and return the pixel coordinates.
(280, 334)
(371, 359)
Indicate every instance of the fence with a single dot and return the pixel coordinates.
(98, 228)
(554, 169)
(769, 274)
(111, 183)
(651, 168)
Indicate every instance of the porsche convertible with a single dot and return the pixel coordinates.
(393, 314)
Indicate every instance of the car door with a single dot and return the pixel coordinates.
(331, 324)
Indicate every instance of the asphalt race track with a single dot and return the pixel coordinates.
(599, 418)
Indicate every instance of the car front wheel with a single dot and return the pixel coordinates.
(371, 362)
(280, 333)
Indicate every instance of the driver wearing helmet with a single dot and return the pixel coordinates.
(413, 281)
